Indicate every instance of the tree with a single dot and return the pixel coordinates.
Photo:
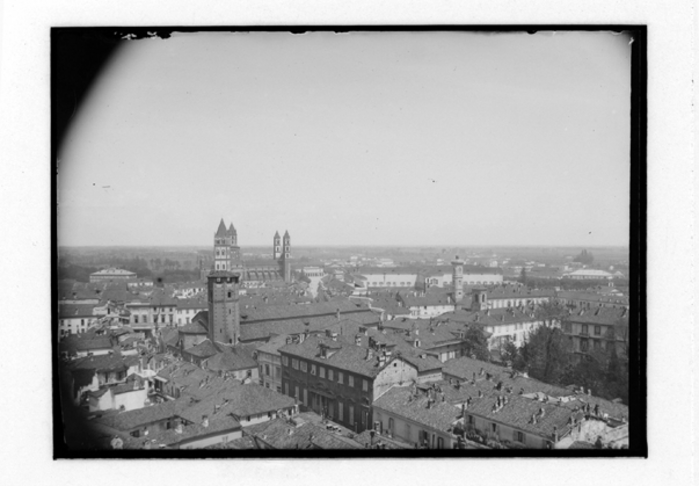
(546, 354)
(585, 257)
(523, 276)
(476, 344)
(510, 353)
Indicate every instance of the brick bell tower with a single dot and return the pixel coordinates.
(285, 261)
(457, 281)
(224, 309)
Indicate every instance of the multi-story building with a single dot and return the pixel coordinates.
(341, 380)
(270, 362)
(443, 276)
(600, 329)
(152, 312)
(75, 319)
(113, 275)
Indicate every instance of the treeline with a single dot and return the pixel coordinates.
(139, 266)
(548, 356)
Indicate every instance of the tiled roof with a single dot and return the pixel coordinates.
(601, 315)
(241, 401)
(76, 343)
(279, 312)
(272, 346)
(204, 349)
(593, 297)
(517, 292)
(518, 411)
(108, 272)
(72, 311)
(126, 421)
(401, 401)
(264, 330)
(169, 336)
(104, 362)
(230, 361)
(302, 433)
(194, 327)
(465, 368)
(346, 357)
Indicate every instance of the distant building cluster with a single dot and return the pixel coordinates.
(377, 357)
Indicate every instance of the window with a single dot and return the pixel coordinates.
(390, 425)
(583, 330)
(340, 377)
(330, 375)
(135, 319)
(351, 414)
(440, 443)
(304, 366)
(286, 389)
(285, 360)
(584, 345)
(598, 330)
(350, 380)
(313, 369)
(321, 372)
(340, 411)
(267, 369)
(365, 385)
(296, 394)
(519, 437)
(305, 397)
(294, 363)
(494, 427)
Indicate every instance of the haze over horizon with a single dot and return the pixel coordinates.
(360, 139)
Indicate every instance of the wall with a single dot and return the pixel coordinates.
(409, 431)
(225, 436)
(130, 400)
(506, 433)
(398, 372)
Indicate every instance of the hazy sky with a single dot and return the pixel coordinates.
(362, 138)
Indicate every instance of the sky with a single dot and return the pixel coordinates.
(375, 138)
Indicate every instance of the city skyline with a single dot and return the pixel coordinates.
(366, 138)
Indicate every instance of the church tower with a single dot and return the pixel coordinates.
(277, 246)
(457, 281)
(286, 257)
(224, 308)
(221, 248)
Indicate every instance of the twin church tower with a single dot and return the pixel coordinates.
(227, 255)
(229, 273)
